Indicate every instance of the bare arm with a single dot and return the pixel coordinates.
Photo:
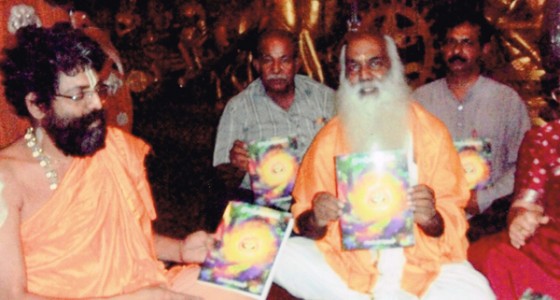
(13, 281)
(524, 218)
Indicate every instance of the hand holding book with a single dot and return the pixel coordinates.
(239, 156)
(326, 208)
(421, 199)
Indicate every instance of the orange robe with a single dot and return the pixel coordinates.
(94, 237)
(438, 167)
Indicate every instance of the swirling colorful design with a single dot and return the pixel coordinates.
(277, 168)
(250, 243)
(477, 169)
(377, 196)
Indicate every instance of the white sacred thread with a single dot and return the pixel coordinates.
(3, 206)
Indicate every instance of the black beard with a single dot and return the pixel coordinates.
(74, 137)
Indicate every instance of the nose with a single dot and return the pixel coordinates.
(276, 67)
(457, 47)
(95, 102)
(366, 74)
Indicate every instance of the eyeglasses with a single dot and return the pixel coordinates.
(101, 89)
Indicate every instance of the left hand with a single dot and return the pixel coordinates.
(195, 247)
(421, 199)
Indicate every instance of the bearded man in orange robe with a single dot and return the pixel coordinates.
(16, 13)
(375, 112)
(75, 205)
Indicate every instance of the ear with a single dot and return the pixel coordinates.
(257, 65)
(486, 48)
(297, 63)
(35, 110)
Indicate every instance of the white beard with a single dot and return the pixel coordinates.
(379, 120)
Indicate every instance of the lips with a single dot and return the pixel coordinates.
(368, 91)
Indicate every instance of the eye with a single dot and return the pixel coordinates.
(377, 63)
(287, 60)
(266, 60)
(352, 67)
(77, 96)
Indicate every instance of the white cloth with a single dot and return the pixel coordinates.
(304, 273)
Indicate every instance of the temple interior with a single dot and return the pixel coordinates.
(184, 59)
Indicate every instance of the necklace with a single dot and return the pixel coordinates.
(44, 161)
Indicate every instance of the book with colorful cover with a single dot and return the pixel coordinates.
(373, 187)
(273, 166)
(249, 241)
(475, 155)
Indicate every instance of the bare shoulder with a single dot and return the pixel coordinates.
(13, 165)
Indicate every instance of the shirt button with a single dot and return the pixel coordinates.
(460, 107)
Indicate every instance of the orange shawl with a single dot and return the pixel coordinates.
(438, 167)
(94, 238)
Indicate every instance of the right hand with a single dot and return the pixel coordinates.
(326, 208)
(155, 292)
(239, 156)
(524, 224)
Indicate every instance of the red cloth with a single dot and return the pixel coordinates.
(536, 265)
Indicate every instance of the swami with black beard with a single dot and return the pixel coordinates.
(75, 205)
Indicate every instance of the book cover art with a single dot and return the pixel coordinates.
(273, 166)
(475, 155)
(249, 240)
(373, 187)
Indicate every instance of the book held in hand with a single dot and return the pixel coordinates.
(273, 166)
(249, 240)
(373, 187)
(475, 155)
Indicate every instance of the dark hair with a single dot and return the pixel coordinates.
(277, 33)
(34, 64)
(458, 15)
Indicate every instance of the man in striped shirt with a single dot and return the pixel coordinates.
(278, 104)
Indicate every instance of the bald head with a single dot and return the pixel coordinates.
(366, 58)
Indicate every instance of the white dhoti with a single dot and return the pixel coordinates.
(303, 271)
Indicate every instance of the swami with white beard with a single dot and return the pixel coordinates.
(375, 112)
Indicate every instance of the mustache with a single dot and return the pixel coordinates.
(276, 77)
(455, 58)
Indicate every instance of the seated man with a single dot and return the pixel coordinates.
(278, 104)
(375, 113)
(75, 204)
